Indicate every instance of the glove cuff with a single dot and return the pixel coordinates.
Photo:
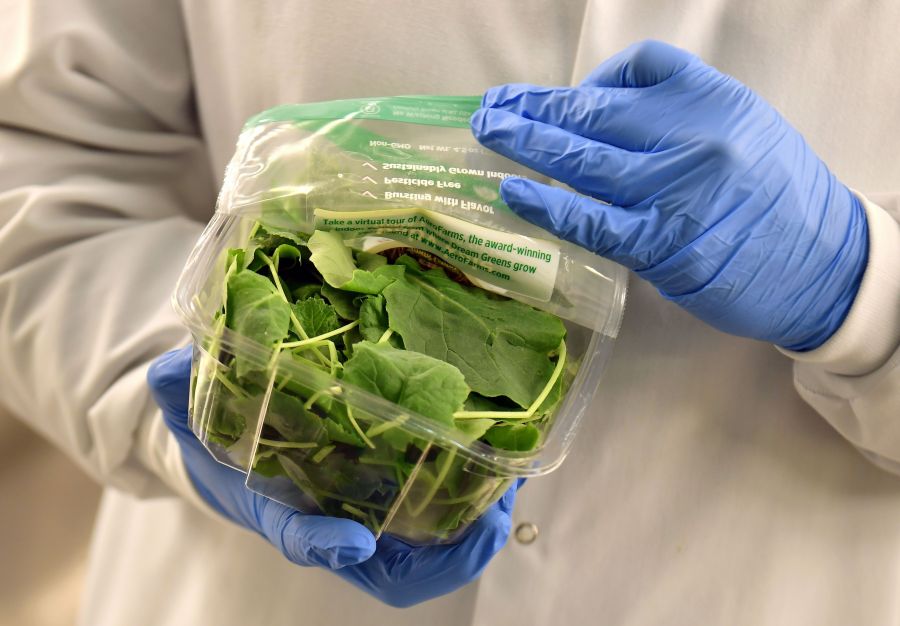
(871, 331)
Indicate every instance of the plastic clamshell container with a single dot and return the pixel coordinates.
(424, 484)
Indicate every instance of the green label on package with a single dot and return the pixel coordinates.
(515, 263)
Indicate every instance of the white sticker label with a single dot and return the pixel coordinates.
(515, 263)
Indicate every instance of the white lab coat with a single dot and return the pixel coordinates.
(702, 489)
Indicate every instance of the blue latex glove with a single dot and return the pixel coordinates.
(390, 570)
(708, 192)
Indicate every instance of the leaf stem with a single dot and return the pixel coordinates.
(321, 454)
(300, 445)
(333, 355)
(218, 331)
(370, 461)
(557, 371)
(377, 429)
(401, 497)
(296, 322)
(230, 386)
(337, 331)
(358, 430)
(275, 279)
(355, 511)
(467, 497)
(340, 498)
(331, 364)
(387, 335)
(332, 391)
(438, 482)
(504, 415)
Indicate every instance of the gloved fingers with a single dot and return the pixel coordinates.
(625, 118)
(314, 540)
(641, 64)
(169, 378)
(464, 561)
(607, 230)
(591, 167)
(402, 575)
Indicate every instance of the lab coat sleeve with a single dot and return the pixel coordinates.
(100, 164)
(853, 379)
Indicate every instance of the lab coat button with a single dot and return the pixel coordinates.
(526, 533)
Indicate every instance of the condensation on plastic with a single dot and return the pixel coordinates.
(285, 166)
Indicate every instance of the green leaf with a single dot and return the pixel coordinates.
(228, 420)
(454, 474)
(303, 292)
(275, 247)
(351, 480)
(334, 260)
(265, 233)
(295, 471)
(373, 319)
(266, 464)
(452, 520)
(351, 338)
(477, 402)
(339, 429)
(375, 281)
(256, 311)
(473, 429)
(557, 391)
(369, 261)
(517, 437)
(334, 474)
(235, 257)
(331, 257)
(294, 423)
(344, 302)
(226, 424)
(285, 255)
(415, 381)
(502, 347)
(285, 215)
(398, 438)
(316, 316)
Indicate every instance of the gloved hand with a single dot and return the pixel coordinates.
(709, 193)
(390, 570)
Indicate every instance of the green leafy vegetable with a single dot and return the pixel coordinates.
(344, 302)
(302, 292)
(502, 347)
(516, 437)
(334, 261)
(316, 316)
(471, 430)
(256, 311)
(484, 367)
(293, 422)
(373, 319)
(414, 381)
(370, 262)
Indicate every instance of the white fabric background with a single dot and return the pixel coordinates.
(702, 489)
